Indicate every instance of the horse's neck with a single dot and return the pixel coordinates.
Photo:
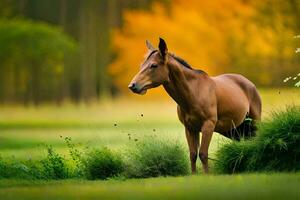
(181, 85)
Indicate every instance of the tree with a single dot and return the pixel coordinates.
(31, 60)
(216, 36)
(199, 35)
(89, 23)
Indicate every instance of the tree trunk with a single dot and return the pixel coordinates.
(87, 45)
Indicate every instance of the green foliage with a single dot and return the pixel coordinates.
(20, 169)
(149, 158)
(276, 148)
(27, 41)
(154, 157)
(76, 164)
(279, 141)
(233, 157)
(54, 165)
(102, 164)
(3, 168)
(28, 51)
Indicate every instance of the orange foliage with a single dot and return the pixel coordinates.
(200, 32)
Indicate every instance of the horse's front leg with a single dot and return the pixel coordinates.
(193, 142)
(207, 132)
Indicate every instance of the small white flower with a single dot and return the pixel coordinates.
(297, 36)
(298, 74)
(287, 79)
(297, 84)
(295, 78)
(297, 50)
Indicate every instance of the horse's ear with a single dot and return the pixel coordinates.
(163, 50)
(149, 46)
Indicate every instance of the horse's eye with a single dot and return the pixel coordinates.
(153, 66)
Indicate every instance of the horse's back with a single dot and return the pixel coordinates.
(236, 83)
(238, 79)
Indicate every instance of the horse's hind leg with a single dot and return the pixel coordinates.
(254, 114)
(193, 142)
(255, 106)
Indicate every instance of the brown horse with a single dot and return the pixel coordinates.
(205, 104)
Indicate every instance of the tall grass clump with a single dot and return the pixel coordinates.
(276, 147)
(151, 157)
(102, 164)
(26, 169)
(54, 165)
(93, 164)
(76, 162)
(233, 157)
(279, 142)
(154, 157)
(3, 168)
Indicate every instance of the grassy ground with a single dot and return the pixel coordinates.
(23, 131)
(249, 186)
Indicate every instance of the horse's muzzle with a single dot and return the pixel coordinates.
(133, 88)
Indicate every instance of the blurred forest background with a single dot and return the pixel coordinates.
(86, 50)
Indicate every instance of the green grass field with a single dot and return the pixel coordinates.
(249, 186)
(24, 131)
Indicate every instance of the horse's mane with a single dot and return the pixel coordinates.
(181, 61)
(186, 64)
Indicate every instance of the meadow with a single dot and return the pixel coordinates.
(117, 124)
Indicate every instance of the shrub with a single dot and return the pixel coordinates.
(3, 169)
(233, 157)
(156, 157)
(11, 168)
(76, 163)
(276, 147)
(149, 158)
(102, 164)
(54, 165)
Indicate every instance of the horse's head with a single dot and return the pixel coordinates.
(154, 71)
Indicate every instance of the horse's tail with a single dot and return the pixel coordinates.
(245, 130)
